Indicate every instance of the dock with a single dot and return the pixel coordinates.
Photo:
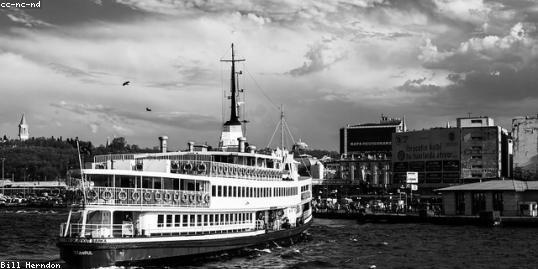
(391, 218)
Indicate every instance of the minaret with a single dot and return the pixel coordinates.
(23, 129)
(232, 129)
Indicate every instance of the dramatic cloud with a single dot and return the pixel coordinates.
(329, 63)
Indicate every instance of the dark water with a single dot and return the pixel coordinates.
(29, 235)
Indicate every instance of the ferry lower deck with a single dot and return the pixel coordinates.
(90, 252)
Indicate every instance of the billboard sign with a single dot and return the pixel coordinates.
(412, 178)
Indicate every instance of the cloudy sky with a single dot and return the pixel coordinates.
(328, 62)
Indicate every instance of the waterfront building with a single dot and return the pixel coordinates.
(525, 134)
(508, 197)
(23, 129)
(474, 151)
(365, 162)
(366, 151)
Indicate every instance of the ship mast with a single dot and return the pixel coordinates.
(234, 119)
(232, 129)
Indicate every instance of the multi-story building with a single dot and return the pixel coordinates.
(525, 135)
(366, 151)
(474, 151)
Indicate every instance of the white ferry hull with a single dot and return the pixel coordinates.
(92, 254)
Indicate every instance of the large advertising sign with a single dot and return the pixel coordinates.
(369, 139)
(434, 154)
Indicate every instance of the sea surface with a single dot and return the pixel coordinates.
(30, 234)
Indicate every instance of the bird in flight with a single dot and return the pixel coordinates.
(148, 109)
(125, 83)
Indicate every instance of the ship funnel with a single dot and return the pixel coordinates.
(191, 146)
(163, 143)
(241, 144)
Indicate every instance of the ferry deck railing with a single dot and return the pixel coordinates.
(146, 197)
(194, 166)
(97, 230)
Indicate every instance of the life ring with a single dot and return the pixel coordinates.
(147, 196)
(184, 197)
(92, 194)
(135, 196)
(167, 197)
(158, 196)
(187, 166)
(122, 195)
(107, 195)
(213, 169)
(192, 198)
(207, 198)
(176, 197)
(201, 168)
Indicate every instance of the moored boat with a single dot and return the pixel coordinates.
(154, 206)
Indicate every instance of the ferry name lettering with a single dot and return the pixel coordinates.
(10, 265)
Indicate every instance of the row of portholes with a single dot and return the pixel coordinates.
(176, 197)
(238, 171)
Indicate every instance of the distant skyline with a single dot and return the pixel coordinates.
(328, 62)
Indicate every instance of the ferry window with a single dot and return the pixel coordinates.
(157, 183)
(240, 218)
(227, 219)
(270, 163)
(177, 220)
(168, 183)
(213, 191)
(101, 180)
(225, 189)
(242, 191)
(221, 219)
(206, 220)
(176, 184)
(185, 220)
(190, 186)
(197, 187)
(219, 191)
(191, 220)
(182, 184)
(211, 220)
(217, 219)
(198, 220)
(235, 191)
(168, 220)
(160, 220)
(230, 191)
(146, 183)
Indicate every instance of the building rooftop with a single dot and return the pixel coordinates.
(495, 185)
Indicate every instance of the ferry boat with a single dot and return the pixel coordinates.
(153, 207)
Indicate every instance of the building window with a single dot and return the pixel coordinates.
(476, 121)
(478, 202)
(498, 204)
(460, 203)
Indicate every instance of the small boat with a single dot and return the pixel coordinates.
(151, 207)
